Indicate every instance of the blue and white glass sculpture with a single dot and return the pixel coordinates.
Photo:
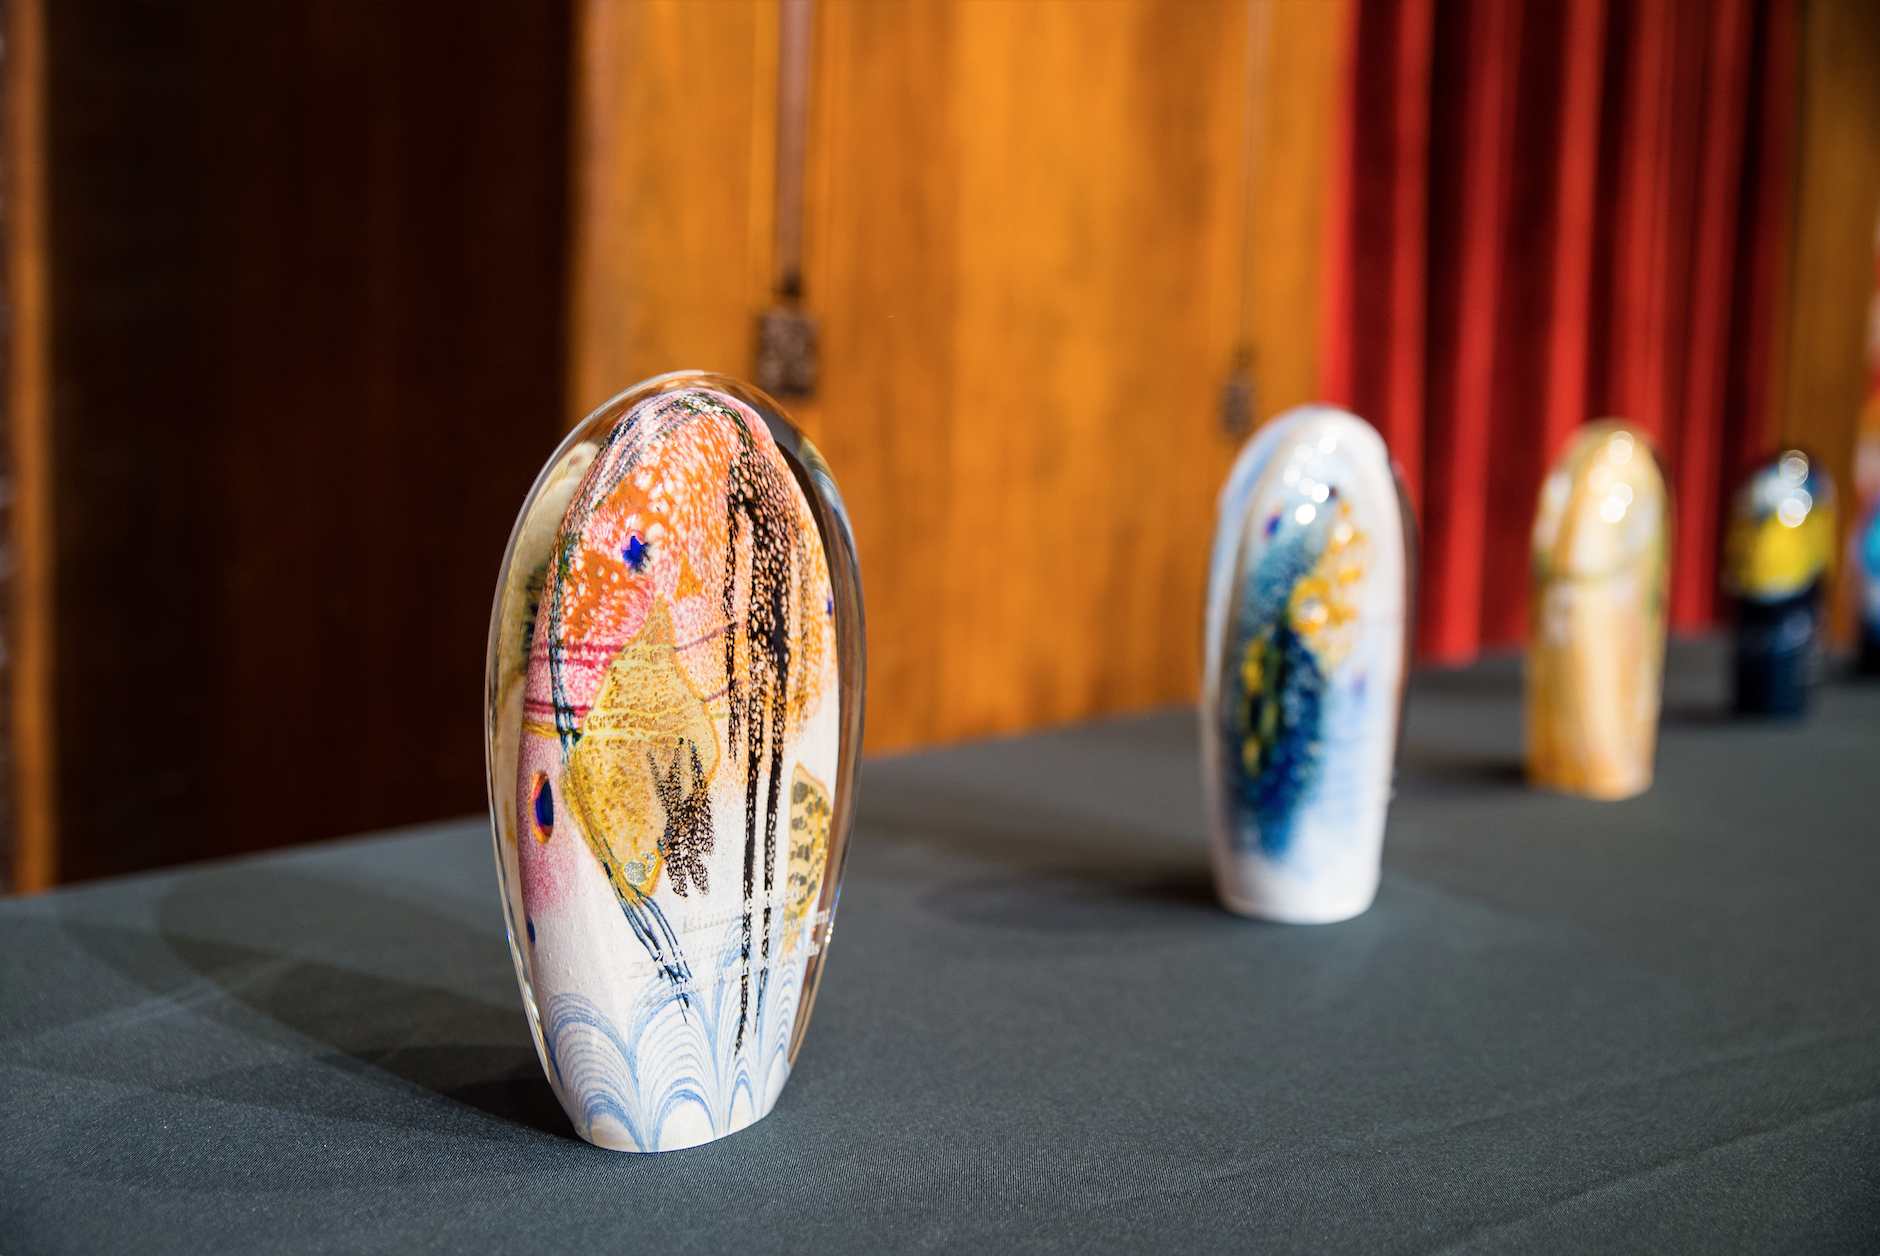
(674, 716)
(1307, 632)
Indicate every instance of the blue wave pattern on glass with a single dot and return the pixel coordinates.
(673, 1055)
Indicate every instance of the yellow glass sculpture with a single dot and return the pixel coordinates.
(1596, 643)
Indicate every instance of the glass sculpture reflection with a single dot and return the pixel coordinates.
(1304, 669)
(674, 713)
(1777, 556)
(1596, 638)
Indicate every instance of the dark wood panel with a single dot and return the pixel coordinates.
(31, 823)
(308, 265)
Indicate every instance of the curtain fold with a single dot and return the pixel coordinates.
(1549, 214)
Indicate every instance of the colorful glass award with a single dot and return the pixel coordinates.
(1302, 684)
(1596, 638)
(1777, 556)
(1866, 548)
(1864, 544)
(674, 715)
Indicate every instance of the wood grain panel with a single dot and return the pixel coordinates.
(33, 766)
(1823, 377)
(1025, 259)
(1307, 46)
(675, 142)
(309, 276)
(1091, 207)
(1024, 241)
(888, 399)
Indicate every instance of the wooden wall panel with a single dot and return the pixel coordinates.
(1823, 377)
(31, 764)
(308, 263)
(1024, 241)
(674, 145)
(1305, 64)
(1050, 269)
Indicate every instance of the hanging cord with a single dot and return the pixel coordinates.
(1239, 395)
(786, 335)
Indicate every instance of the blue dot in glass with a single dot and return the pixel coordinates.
(544, 808)
(829, 605)
(531, 926)
(635, 553)
(1272, 525)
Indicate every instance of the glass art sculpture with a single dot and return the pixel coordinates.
(1863, 568)
(1596, 641)
(1777, 556)
(1302, 684)
(674, 714)
(1864, 544)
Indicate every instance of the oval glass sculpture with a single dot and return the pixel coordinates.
(674, 717)
(1302, 686)
(1596, 639)
(1776, 560)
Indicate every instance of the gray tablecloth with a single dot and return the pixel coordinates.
(1650, 1025)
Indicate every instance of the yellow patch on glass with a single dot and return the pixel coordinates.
(1774, 558)
(646, 720)
(1326, 603)
(810, 815)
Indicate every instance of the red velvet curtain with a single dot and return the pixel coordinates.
(1546, 214)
